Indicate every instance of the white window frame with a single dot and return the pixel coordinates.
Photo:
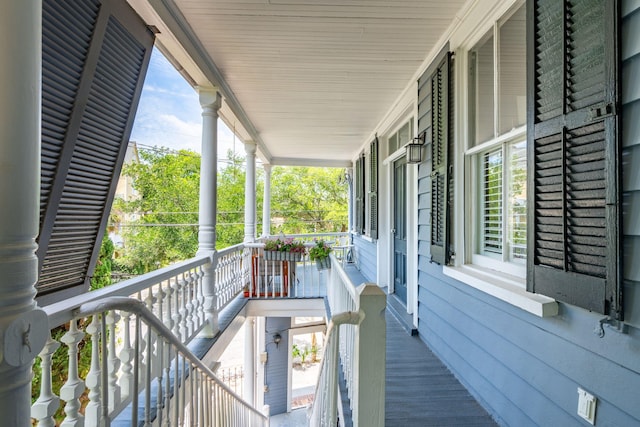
(510, 288)
(517, 269)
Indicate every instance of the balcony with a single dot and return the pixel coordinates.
(155, 338)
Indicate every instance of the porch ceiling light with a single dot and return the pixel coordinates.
(414, 149)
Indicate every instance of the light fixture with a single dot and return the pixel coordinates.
(414, 149)
(277, 338)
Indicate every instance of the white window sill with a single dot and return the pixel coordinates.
(505, 287)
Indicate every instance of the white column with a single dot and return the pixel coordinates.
(210, 102)
(266, 202)
(250, 192)
(23, 327)
(350, 196)
(249, 360)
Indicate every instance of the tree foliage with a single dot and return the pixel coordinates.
(102, 273)
(308, 200)
(161, 225)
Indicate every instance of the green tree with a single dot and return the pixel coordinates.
(102, 273)
(308, 200)
(164, 218)
(164, 224)
(230, 219)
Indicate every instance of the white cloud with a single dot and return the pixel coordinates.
(169, 113)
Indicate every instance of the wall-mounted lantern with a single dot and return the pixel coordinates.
(414, 149)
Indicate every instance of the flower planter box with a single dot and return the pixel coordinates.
(282, 256)
(323, 264)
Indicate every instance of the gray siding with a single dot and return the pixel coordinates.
(366, 257)
(276, 369)
(524, 369)
(631, 157)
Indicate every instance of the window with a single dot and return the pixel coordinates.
(502, 207)
(571, 149)
(498, 153)
(366, 192)
(401, 137)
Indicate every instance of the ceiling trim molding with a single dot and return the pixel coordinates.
(321, 163)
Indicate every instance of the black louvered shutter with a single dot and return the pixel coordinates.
(359, 190)
(573, 236)
(434, 94)
(94, 58)
(373, 189)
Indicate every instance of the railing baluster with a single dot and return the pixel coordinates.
(201, 313)
(113, 361)
(136, 373)
(93, 411)
(73, 388)
(188, 306)
(142, 349)
(160, 378)
(167, 388)
(126, 359)
(184, 330)
(152, 339)
(147, 382)
(47, 404)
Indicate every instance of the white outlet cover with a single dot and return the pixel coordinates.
(587, 406)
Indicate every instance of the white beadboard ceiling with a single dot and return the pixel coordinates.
(308, 80)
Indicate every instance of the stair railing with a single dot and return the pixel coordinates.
(184, 393)
(324, 410)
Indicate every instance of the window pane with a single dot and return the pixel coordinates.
(482, 56)
(492, 202)
(404, 134)
(513, 75)
(518, 202)
(393, 143)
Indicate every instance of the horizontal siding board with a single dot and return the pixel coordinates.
(630, 169)
(631, 213)
(632, 300)
(630, 36)
(630, 80)
(366, 257)
(629, 6)
(631, 126)
(630, 251)
(490, 363)
(631, 159)
(276, 368)
(563, 343)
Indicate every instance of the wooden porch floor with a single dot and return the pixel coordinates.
(420, 390)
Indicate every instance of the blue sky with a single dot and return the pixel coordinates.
(169, 113)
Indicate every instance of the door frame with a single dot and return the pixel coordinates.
(412, 230)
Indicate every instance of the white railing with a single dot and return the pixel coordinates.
(232, 269)
(364, 376)
(175, 294)
(287, 275)
(180, 296)
(184, 392)
(324, 410)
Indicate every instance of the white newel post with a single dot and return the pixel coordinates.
(24, 328)
(266, 202)
(210, 101)
(250, 193)
(249, 360)
(371, 356)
